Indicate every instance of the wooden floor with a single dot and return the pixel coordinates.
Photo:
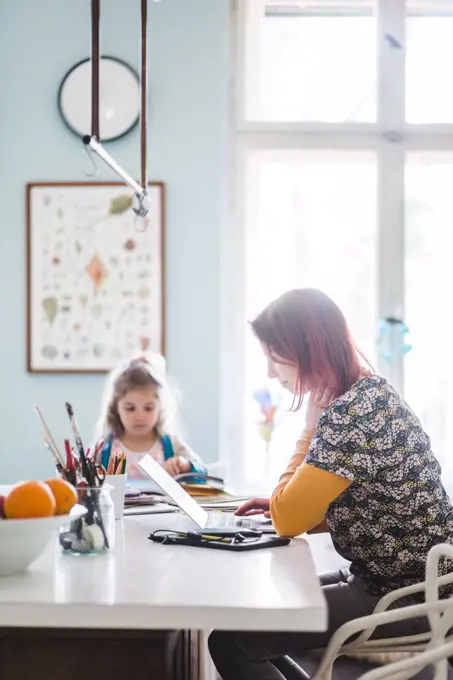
(48, 654)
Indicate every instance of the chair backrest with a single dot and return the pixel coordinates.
(440, 623)
(408, 668)
(370, 622)
(439, 613)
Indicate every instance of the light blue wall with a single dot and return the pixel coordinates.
(188, 60)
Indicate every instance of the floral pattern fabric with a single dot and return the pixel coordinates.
(396, 508)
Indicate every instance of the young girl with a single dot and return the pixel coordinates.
(363, 470)
(135, 419)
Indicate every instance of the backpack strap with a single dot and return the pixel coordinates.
(169, 453)
(167, 446)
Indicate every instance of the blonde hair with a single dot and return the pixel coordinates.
(132, 374)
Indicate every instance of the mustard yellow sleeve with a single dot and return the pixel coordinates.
(302, 446)
(300, 501)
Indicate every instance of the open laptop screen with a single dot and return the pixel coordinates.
(171, 487)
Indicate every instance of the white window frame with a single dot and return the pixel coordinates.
(390, 137)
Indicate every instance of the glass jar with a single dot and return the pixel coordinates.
(94, 533)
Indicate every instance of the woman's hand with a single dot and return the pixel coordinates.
(177, 465)
(318, 401)
(257, 506)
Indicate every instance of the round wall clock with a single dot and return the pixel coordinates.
(119, 98)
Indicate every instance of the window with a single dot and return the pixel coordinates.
(307, 62)
(428, 65)
(428, 279)
(342, 181)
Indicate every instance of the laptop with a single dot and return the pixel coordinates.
(215, 522)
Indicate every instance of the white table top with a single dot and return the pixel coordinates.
(143, 585)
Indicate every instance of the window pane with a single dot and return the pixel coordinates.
(311, 222)
(429, 64)
(429, 280)
(313, 64)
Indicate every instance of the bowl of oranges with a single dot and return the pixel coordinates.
(30, 515)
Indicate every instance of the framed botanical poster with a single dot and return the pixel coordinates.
(95, 276)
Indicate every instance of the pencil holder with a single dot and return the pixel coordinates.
(117, 484)
(93, 533)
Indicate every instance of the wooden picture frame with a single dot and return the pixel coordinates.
(95, 276)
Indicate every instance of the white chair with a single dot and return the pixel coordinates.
(438, 612)
(407, 668)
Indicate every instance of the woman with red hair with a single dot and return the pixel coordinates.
(363, 470)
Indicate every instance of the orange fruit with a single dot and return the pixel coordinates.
(65, 495)
(28, 500)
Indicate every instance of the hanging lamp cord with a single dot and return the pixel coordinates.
(95, 61)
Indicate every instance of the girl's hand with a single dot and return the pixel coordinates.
(177, 466)
(257, 506)
(318, 401)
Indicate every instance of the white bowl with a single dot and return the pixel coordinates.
(22, 541)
